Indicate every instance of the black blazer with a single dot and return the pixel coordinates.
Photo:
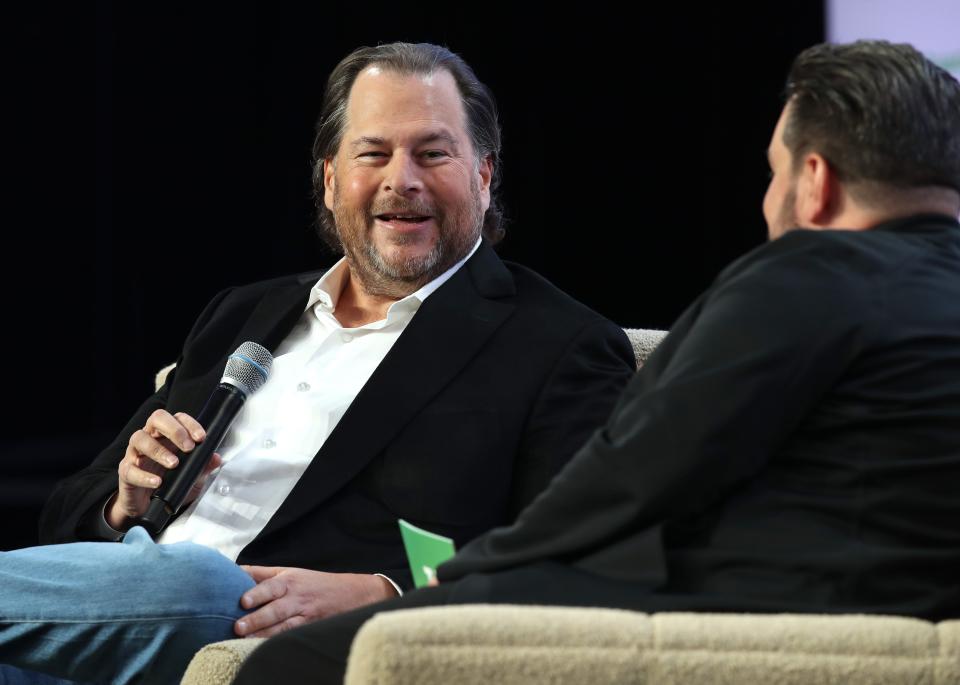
(793, 445)
(496, 381)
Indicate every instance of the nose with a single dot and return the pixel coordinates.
(403, 175)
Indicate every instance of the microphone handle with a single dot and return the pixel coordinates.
(216, 417)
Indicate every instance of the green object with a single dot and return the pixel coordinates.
(425, 551)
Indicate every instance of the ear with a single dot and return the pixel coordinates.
(328, 183)
(818, 192)
(485, 170)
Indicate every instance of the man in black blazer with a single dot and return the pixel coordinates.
(794, 444)
(475, 408)
(483, 381)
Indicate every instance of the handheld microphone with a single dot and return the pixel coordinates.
(247, 370)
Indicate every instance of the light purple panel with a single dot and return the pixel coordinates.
(932, 26)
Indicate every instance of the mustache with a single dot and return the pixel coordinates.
(408, 207)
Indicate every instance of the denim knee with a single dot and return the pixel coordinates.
(198, 578)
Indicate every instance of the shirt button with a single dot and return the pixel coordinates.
(268, 443)
(303, 387)
(346, 337)
(224, 489)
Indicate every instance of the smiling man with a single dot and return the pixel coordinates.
(420, 378)
(406, 161)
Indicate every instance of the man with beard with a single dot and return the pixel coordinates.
(419, 378)
(794, 443)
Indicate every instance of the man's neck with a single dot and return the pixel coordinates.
(357, 307)
(897, 204)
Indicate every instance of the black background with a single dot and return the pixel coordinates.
(157, 154)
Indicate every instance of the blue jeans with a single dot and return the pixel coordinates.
(103, 612)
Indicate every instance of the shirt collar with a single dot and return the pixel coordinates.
(327, 290)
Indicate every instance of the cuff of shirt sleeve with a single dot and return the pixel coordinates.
(97, 526)
(386, 578)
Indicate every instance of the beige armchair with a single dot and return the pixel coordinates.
(514, 645)
(507, 645)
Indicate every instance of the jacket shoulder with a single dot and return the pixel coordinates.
(537, 294)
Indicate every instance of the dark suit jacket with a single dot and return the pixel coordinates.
(793, 445)
(496, 381)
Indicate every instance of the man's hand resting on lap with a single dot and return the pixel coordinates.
(285, 598)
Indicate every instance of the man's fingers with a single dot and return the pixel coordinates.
(145, 463)
(264, 592)
(152, 449)
(162, 424)
(258, 620)
(193, 427)
(149, 446)
(260, 574)
(280, 627)
(137, 477)
(274, 617)
(215, 461)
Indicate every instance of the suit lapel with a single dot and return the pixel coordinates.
(277, 313)
(448, 330)
(268, 323)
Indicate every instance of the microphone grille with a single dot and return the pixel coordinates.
(248, 368)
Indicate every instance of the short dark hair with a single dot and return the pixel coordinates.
(878, 112)
(408, 58)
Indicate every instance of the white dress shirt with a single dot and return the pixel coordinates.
(317, 372)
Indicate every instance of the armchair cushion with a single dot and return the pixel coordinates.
(505, 644)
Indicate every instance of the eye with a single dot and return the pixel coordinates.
(435, 154)
(372, 153)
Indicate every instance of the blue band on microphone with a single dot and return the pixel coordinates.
(263, 371)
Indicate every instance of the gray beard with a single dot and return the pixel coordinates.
(379, 277)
